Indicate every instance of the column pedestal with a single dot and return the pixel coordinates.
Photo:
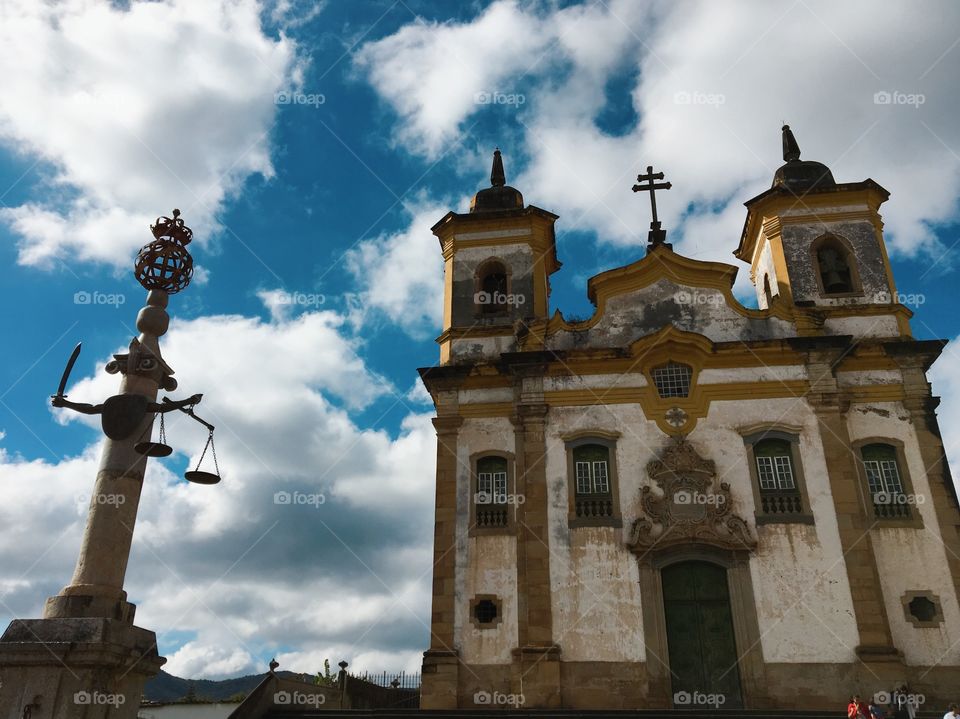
(439, 687)
(75, 668)
(536, 675)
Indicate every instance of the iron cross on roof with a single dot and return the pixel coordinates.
(646, 182)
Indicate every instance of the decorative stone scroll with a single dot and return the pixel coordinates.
(690, 508)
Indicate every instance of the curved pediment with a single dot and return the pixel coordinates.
(658, 263)
(667, 289)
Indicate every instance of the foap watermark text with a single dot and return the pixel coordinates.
(110, 299)
(499, 98)
(498, 699)
(313, 499)
(699, 699)
(311, 99)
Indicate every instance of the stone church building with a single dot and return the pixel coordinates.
(681, 501)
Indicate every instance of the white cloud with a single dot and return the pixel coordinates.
(162, 102)
(417, 394)
(945, 378)
(200, 660)
(242, 576)
(436, 74)
(713, 84)
(401, 274)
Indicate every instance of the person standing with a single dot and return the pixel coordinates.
(856, 709)
(900, 700)
(951, 712)
(913, 702)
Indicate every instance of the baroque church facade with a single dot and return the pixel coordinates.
(681, 501)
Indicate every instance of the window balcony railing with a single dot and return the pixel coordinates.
(893, 509)
(587, 507)
(781, 504)
(491, 516)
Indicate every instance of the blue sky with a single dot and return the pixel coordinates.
(114, 114)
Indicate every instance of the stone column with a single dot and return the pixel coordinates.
(96, 589)
(876, 649)
(85, 659)
(441, 663)
(536, 661)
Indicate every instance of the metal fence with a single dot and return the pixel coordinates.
(384, 690)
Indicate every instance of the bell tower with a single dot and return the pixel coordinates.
(498, 259)
(814, 242)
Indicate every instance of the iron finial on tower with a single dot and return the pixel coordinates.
(791, 150)
(497, 177)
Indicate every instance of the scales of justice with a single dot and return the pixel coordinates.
(85, 658)
(162, 266)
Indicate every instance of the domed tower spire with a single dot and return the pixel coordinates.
(499, 196)
(497, 176)
(813, 242)
(791, 150)
(800, 176)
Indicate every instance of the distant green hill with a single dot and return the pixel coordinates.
(168, 688)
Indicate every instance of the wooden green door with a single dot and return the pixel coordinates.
(703, 651)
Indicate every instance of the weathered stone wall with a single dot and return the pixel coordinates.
(802, 267)
(491, 569)
(706, 311)
(911, 558)
(516, 258)
(874, 326)
(476, 349)
(804, 602)
(486, 564)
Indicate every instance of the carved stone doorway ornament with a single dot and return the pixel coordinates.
(690, 509)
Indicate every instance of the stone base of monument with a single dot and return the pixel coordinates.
(75, 668)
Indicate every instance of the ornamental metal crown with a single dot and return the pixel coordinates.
(165, 263)
(173, 228)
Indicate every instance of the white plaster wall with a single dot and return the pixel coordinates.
(484, 564)
(800, 584)
(878, 326)
(804, 605)
(594, 381)
(765, 267)
(491, 569)
(870, 377)
(482, 396)
(595, 581)
(478, 348)
(911, 559)
(493, 235)
(805, 610)
(772, 373)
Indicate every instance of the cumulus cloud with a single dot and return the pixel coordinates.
(319, 530)
(400, 274)
(436, 74)
(712, 85)
(130, 104)
(945, 377)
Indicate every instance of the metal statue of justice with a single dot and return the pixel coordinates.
(87, 642)
(163, 267)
